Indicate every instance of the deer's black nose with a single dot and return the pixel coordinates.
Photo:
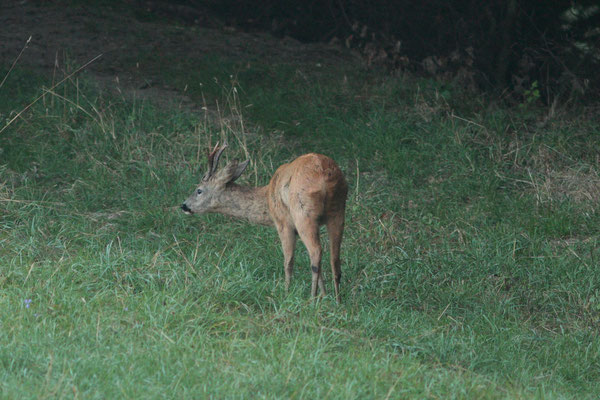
(185, 208)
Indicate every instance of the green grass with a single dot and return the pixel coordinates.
(469, 257)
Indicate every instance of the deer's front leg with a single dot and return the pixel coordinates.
(287, 236)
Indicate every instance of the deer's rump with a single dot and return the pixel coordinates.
(310, 186)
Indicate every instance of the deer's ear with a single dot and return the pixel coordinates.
(239, 170)
(230, 173)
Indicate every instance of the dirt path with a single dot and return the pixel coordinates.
(64, 37)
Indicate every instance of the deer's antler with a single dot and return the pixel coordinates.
(213, 160)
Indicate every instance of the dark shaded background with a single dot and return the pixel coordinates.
(518, 48)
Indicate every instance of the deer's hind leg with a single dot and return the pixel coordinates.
(287, 236)
(335, 228)
(308, 229)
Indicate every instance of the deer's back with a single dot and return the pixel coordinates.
(311, 186)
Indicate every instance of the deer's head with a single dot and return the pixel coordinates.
(209, 193)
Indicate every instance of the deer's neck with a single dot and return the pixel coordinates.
(245, 202)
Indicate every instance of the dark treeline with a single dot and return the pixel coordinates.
(550, 48)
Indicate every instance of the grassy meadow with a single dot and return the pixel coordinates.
(469, 259)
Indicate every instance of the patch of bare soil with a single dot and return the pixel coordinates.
(554, 177)
(582, 185)
(64, 37)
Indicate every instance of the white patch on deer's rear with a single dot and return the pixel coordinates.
(285, 194)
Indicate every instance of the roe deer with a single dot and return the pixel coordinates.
(301, 196)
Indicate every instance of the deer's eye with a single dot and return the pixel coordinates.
(199, 191)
